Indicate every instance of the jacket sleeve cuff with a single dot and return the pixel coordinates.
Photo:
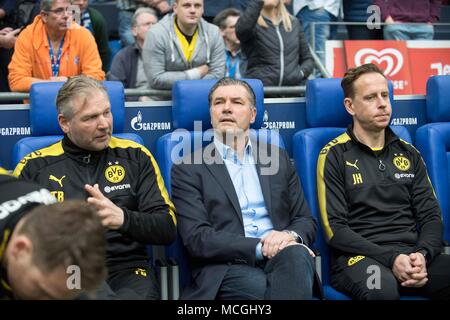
(259, 255)
(126, 221)
(392, 259)
(302, 74)
(193, 74)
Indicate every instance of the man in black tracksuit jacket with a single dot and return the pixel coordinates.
(120, 177)
(39, 243)
(378, 208)
(11, 211)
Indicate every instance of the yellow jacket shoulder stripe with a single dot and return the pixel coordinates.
(55, 149)
(124, 143)
(321, 188)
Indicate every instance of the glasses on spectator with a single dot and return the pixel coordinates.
(146, 24)
(61, 11)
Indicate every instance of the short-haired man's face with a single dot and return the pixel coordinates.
(143, 23)
(370, 106)
(56, 19)
(229, 33)
(28, 282)
(188, 12)
(231, 110)
(91, 125)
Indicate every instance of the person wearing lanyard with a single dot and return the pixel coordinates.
(235, 62)
(55, 61)
(53, 48)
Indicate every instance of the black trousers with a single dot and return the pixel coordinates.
(356, 279)
(130, 284)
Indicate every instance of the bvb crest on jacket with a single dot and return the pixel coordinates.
(401, 162)
(114, 173)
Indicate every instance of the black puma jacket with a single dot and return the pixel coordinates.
(128, 175)
(377, 203)
(17, 197)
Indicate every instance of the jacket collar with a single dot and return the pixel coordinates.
(5, 289)
(13, 220)
(136, 47)
(389, 137)
(215, 164)
(78, 154)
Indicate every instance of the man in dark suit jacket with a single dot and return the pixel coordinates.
(243, 219)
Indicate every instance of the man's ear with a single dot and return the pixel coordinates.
(210, 116)
(174, 7)
(134, 31)
(253, 118)
(20, 247)
(43, 16)
(348, 103)
(63, 123)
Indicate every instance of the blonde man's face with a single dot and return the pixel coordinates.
(188, 12)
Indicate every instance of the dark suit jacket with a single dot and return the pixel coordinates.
(210, 219)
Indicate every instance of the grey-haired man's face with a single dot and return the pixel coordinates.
(144, 22)
(91, 125)
(231, 109)
(56, 19)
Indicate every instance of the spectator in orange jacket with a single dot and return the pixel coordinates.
(53, 48)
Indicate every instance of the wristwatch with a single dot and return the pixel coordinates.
(294, 235)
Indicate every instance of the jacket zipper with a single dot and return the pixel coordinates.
(381, 166)
(277, 28)
(87, 160)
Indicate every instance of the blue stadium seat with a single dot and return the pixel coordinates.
(327, 119)
(433, 141)
(114, 47)
(192, 124)
(44, 124)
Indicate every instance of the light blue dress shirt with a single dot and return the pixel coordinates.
(257, 222)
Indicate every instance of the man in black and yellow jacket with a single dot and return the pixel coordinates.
(41, 241)
(378, 208)
(119, 177)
